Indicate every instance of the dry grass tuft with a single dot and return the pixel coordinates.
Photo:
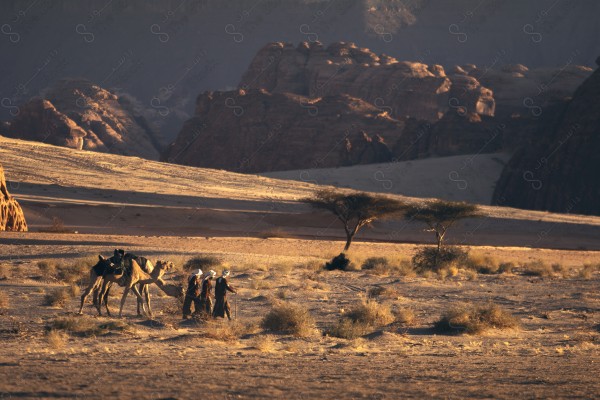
(475, 319)
(57, 339)
(263, 343)
(203, 262)
(4, 302)
(405, 316)
(429, 259)
(506, 268)
(483, 264)
(538, 268)
(383, 266)
(80, 326)
(227, 331)
(371, 313)
(289, 318)
(57, 297)
(587, 271)
(47, 268)
(348, 329)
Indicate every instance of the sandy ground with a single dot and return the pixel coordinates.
(555, 354)
(272, 242)
(469, 178)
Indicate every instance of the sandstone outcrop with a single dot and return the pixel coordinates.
(78, 114)
(404, 89)
(255, 131)
(559, 172)
(11, 214)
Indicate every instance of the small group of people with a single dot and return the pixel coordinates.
(199, 292)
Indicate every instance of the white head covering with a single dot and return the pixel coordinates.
(225, 273)
(211, 274)
(196, 272)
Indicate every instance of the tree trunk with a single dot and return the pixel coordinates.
(349, 237)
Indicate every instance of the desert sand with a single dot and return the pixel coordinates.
(275, 247)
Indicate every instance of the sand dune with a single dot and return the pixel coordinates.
(108, 194)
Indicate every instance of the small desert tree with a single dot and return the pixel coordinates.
(355, 210)
(440, 215)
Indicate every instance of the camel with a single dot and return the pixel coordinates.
(96, 274)
(148, 267)
(130, 278)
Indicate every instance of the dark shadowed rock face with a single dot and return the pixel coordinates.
(253, 130)
(78, 114)
(560, 173)
(11, 214)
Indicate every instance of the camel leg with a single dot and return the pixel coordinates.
(92, 286)
(139, 303)
(105, 298)
(140, 299)
(125, 292)
(101, 294)
(147, 296)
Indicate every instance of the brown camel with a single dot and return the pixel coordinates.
(130, 278)
(147, 267)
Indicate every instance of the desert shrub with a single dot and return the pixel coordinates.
(482, 264)
(340, 262)
(475, 319)
(405, 316)
(58, 226)
(263, 343)
(371, 313)
(47, 268)
(587, 271)
(282, 294)
(537, 268)
(506, 268)
(204, 262)
(430, 259)
(348, 329)
(81, 326)
(71, 273)
(312, 265)
(383, 292)
(228, 331)
(57, 297)
(4, 302)
(56, 339)
(289, 318)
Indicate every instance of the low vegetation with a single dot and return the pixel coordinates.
(204, 262)
(75, 271)
(475, 319)
(290, 319)
(86, 326)
(362, 319)
(383, 266)
(60, 296)
(433, 259)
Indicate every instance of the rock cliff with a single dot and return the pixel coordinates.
(560, 171)
(254, 130)
(78, 114)
(11, 214)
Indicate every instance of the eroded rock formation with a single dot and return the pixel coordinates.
(254, 130)
(78, 114)
(11, 214)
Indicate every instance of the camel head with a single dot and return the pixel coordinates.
(164, 265)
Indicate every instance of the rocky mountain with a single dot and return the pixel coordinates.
(410, 89)
(79, 114)
(254, 130)
(11, 214)
(560, 172)
(182, 48)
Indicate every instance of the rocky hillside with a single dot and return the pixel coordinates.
(402, 88)
(11, 214)
(256, 131)
(78, 114)
(560, 173)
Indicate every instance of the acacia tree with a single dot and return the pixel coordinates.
(355, 210)
(440, 215)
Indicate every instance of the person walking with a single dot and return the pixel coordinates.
(221, 303)
(192, 294)
(206, 292)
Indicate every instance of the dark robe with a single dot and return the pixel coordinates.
(221, 303)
